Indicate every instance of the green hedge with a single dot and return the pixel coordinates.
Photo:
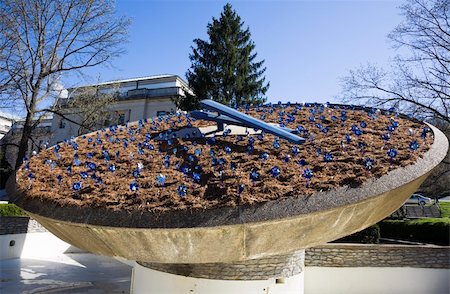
(370, 235)
(430, 230)
(9, 209)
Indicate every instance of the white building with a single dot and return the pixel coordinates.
(6, 121)
(138, 98)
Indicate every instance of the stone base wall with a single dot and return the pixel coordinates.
(282, 266)
(374, 255)
(19, 225)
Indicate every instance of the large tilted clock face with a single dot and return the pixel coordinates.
(156, 165)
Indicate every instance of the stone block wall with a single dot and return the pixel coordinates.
(374, 255)
(281, 266)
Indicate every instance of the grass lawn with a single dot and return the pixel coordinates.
(445, 209)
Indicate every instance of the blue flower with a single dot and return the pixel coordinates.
(136, 173)
(386, 136)
(185, 169)
(363, 124)
(84, 175)
(295, 150)
(392, 153)
(227, 149)
(134, 186)
(59, 178)
(368, 163)
(287, 158)
(191, 158)
(241, 188)
(425, 132)
(302, 162)
(414, 145)
(307, 173)
(112, 168)
(265, 156)
(357, 132)
(106, 155)
(254, 175)
(92, 166)
(276, 144)
(160, 179)
(76, 186)
(328, 157)
(90, 155)
(76, 162)
(182, 190)
(233, 166)
(391, 128)
(275, 171)
(198, 151)
(166, 161)
(318, 151)
(348, 139)
(196, 177)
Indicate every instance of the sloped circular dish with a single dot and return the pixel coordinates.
(235, 234)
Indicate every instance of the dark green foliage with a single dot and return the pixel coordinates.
(225, 68)
(370, 235)
(9, 209)
(5, 168)
(433, 230)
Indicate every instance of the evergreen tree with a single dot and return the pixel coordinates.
(224, 69)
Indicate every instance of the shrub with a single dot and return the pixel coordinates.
(370, 235)
(9, 209)
(431, 230)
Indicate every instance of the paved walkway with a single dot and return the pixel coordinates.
(65, 273)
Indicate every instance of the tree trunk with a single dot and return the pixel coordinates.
(23, 145)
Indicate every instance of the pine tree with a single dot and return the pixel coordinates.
(224, 69)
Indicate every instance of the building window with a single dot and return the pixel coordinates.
(62, 124)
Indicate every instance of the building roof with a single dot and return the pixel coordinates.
(154, 77)
(9, 116)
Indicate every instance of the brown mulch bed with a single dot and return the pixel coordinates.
(46, 175)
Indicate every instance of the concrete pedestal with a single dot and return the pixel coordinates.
(274, 274)
(148, 281)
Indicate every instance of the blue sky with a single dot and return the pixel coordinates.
(307, 45)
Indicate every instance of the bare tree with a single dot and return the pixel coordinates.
(88, 107)
(418, 82)
(43, 40)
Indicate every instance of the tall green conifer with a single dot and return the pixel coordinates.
(225, 68)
